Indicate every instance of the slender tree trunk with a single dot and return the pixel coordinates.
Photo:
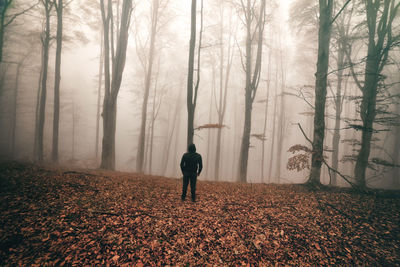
(190, 105)
(56, 118)
(271, 155)
(266, 116)
(15, 105)
(244, 148)
(223, 91)
(73, 133)
(100, 81)
(210, 120)
(324, 35)
(42, 106)
(153, 119)
(338, 111)
(252, 79)
(176, 113)
(36, 137)
(148, 75)
(281, 127)
(5, 5)
(396, 154)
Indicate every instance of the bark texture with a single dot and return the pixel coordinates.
(324, 35)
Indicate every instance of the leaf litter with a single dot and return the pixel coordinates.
(52, 216)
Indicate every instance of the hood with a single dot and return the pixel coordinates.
(192, 148)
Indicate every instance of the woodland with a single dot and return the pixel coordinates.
(294, 106)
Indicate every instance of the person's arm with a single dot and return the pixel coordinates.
(200, 165)
(182, 163)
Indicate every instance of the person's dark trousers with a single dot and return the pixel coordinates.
(192, 178)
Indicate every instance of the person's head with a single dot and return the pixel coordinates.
(192, 148)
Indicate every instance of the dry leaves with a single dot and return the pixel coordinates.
(59, 217)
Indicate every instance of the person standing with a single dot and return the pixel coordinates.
(191, 166)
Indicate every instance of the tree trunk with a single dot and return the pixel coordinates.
(174, 121)
(148, 74)
(36, 136)
(5, 5)
(14, 114)
(252, 79)
(57, 79)
(338, 111)
(190, 105)
(265, 117)
(42, 102)
(380, 41)
(100, 81)
(324, 35)
(223, 90)
(281, 127)
(113, 85)
(396, 154)
(367, 110)
(271, 154)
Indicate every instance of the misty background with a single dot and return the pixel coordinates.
(284, 97)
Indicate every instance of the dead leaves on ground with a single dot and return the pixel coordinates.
(58, 217)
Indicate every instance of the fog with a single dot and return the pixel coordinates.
(287, 81)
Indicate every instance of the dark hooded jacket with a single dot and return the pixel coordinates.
(191, 162)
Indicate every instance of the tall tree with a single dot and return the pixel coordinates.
(147, 84)
(265, 117)
(58, 4)
(6, 19)
(113, 79)
(45, 38)
(324, 36)
(191, 88)
(20, 66)
(99, 87)
(341, 32)
(379, 16)
(252, 23)
(224, 73)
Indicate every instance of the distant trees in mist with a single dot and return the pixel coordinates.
(254, 91)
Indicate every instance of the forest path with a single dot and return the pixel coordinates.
(57, 216)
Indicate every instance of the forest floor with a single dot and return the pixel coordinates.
(52, 216)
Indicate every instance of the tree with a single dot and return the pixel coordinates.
(379, 17)
(341, 29)
(191, 99)
(252, 77)
(113, 79)
(147, 84)
(45, 38)
(223, 85)
(58, 4)
(324, 35)
(6, 19)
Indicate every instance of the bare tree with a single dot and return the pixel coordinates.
(192, 92)
(58, 4)
(324, 35)
(113, 79)
(100, 82)
(45, 38)
(6, 19)
(223, 85)
(379, 17)
(147, 84)
(256, 24)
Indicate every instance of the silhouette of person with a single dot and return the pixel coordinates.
(191, 166)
